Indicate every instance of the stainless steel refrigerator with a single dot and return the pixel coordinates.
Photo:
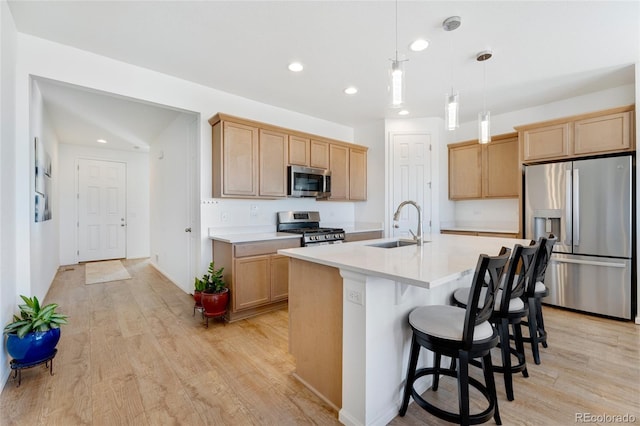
(587, 204)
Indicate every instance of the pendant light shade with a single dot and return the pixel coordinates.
(452, 101)
(451, 109)
(484, 118)
(397, 84)
(484, 127)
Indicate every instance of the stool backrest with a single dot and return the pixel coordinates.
(488, 272)
(545, 256)
(520, 273)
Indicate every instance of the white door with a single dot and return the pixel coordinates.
(410, 180)
(102, 224)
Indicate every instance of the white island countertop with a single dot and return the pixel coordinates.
(441, 259)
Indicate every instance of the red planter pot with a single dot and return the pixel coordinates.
(215, 304)
(197, 298)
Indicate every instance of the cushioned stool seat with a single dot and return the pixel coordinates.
(462, 334)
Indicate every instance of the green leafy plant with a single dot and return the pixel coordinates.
(200, 284)
(34, 317)
(214, 281)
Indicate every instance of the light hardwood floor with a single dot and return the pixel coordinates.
(133, 354)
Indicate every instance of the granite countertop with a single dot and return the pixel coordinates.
(441, 259)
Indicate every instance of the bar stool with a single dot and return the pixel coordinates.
(509, 310)
(462, 334)
(534, 295)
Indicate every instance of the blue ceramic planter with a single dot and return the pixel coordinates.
(34, 346)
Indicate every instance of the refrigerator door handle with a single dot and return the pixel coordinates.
(576, 207)
(568, 215)
(589, 262)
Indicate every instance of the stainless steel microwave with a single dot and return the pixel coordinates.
(308, 182)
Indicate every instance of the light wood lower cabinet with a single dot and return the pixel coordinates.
(257, 277)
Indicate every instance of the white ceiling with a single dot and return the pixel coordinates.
(543, 51)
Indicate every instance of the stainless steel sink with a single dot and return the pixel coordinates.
(393, 244)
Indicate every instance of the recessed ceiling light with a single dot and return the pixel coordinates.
(419, 45)
(295, 67)
(351, 90)
(101, 141)
(403, 112)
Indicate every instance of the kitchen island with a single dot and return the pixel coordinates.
(348, 309)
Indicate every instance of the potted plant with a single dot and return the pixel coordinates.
(198, 287)
(215, 295)
(33, 336)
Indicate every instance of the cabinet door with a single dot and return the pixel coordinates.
(251, 282)
(546, 142)
(299, 150)
(465, 172)
(240, 159)
(319, 155)
(602, 134)
(339, 166)
(501, 170)
(279, 277)
(273, 163)
(357, 174)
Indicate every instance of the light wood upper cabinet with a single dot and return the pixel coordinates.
(357, 174)
(465, 171)
(235, 156)
(484, 171)
(602, 134)
(319, 154)
(299, 150)
(339, 166)
(546, 142)
(250, 160)
(577, 136)
(273, 149)
(501, 170)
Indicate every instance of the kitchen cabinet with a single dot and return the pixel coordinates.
(257, 277)
(594, 133)
(272, 154)
(235, 159)
(339, 166)
(348, 173)
(250, 159)
(319, 154)
(484, 170)
(299, 150)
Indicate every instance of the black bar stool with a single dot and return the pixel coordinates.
(463, 334)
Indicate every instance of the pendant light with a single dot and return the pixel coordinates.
(452, 100)
(484, 118)
(397, 75)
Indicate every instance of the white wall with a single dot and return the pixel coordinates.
(372, 135)
(44, 249)
(8, 207)
(137, 198)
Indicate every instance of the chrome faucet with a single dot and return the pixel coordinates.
(417, 237)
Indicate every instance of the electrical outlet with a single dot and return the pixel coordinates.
(224, 216)
(354, 296)
(254, 210)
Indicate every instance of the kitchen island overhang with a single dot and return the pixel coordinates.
(379, 287)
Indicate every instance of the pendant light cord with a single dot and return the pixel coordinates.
(484, 88)
(396, 30)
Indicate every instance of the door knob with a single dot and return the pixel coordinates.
(187, 229)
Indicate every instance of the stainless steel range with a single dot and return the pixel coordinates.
(308, 224)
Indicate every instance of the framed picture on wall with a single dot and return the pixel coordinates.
(39, 166)
(43, 182)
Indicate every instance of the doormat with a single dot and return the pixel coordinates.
(102, 272)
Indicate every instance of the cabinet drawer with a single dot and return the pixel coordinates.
(264, 247)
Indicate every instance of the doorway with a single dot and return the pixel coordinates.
(102, 195)
(410, 180)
